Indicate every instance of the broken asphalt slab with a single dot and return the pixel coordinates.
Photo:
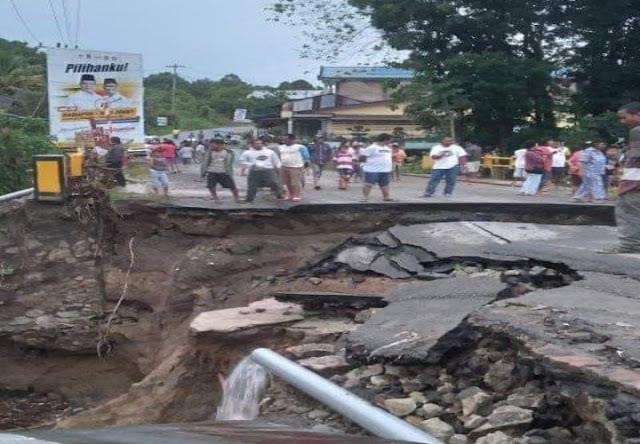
(590, 328)
(418, 315)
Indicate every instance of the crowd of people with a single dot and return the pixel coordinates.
(280, 165)
(590, 170)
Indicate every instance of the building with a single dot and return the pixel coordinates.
(355, 103)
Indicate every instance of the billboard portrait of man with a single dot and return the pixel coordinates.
(113, 98)
(86, 98)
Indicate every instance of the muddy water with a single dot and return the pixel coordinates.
(242, 392)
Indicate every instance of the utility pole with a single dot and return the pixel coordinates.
(175, 68)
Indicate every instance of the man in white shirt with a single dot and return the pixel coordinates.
(262, 164)
(377, 167)
(199, 154)
(86, 98)
(448, 157)
(519, 165)
(559, 164)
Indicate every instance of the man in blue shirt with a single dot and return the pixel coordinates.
(593, 164)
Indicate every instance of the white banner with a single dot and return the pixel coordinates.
(95, 95)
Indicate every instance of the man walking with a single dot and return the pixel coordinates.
(377, 167)
(115, 159)
(593, 164)
(628, 202)
(320, 156)
(448, 158)
(262, 164)
(218, 168)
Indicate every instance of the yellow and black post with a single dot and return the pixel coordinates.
(49, 177)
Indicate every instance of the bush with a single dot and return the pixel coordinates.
(20, 139)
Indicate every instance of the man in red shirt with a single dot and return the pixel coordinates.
(169, 151)
(547, 147)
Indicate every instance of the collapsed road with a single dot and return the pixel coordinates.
(478, 324)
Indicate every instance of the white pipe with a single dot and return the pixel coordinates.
(16, 194)
(373, 419)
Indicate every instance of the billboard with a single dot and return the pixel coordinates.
(94, 95)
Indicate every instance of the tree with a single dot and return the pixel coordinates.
(22, 78)
(295, 85)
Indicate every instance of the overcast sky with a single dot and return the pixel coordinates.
(211, 37)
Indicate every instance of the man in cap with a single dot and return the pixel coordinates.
(113, 98)
(86, 98)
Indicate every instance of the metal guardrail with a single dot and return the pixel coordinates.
(16, 194)
(373, 419)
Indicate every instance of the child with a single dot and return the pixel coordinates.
(344, 165)
(398, 156)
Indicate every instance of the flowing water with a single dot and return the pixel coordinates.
(242, 392)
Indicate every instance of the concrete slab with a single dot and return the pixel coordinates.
(450, 240)
(419, 314)
(259, 314)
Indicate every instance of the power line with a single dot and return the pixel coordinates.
(24, 23)
(65, 15)
(77, 22)
(55, 17)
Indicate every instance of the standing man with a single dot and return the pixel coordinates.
(321, 154)
(628, 203)
(547, 147)
(377, 167)
(200, 152)
(448, 157)
(293, 157)
(474, 156)
(519, 167)
(218, 168)
(559, 164)
(263, 164)
(115, 159)
(170, 153)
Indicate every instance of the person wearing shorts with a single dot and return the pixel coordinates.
(218, 168)
(377, 167)
(158, 172)
(519, 173)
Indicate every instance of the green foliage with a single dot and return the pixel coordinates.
(489, 93)
(577, 56)
(295, 85)
(19, 141)
(204, 103)
(22, 78)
